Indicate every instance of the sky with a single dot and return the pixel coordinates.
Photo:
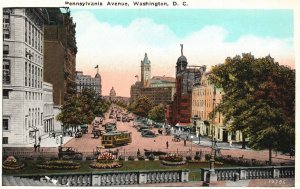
(117, 39)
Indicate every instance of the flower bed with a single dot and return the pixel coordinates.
(111, 165)
(170, 163)
(173, 160)
(106, 161)
(58, 165)
(11, 163)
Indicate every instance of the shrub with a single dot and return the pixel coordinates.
(161, 157)
(141, 158)
(131, 158)
(207, 157)
(121, 158)
(77, 157)
(90, 158)
(40, 158)
(188, 158)
(151, 157)
(29, 158)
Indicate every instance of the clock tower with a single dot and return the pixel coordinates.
(145, 70)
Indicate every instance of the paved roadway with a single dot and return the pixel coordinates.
(87, 144)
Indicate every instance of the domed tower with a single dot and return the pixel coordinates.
(181, 62)
(112, 94)
(145, 70)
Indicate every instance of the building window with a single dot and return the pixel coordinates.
(5, 93)
(5, 140)
(32, 75)
(26, 73)
(5, 124)
(6, 26)
(6, 71)
(5, 49)
(29, 78)
(26, 30)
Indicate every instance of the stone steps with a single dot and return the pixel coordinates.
(17, 181)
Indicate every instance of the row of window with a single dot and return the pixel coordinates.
(33, 96)
(6, 26)
(33, 36)
(33, 57)
(202, 103)
(6, 79)
(33, 76)
(35, 117)
(205, 115)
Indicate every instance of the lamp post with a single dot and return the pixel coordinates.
(212, 177)
(192, 143)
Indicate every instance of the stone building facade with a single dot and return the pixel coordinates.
(23, 57)
(60, 54)
(86, 81)
(203, 104)
(48, 111)
(159, 89)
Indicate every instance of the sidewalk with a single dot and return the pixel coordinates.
(54, 142)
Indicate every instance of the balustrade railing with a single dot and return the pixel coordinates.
(114, 178)
(245, 173)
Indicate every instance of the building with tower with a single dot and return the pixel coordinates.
(145, 71)
(159, 89)
(87, 81)
(180, 110)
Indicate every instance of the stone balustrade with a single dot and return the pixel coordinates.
(246, 173)
(115, 178)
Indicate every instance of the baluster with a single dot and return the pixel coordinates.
(59, 179)
(159, 177)
(131, 178)
(75, 180)
(79, 183)
(153, 178)
(114, 179)
(64, 180)
(122, 179)
(173, 177)
(104, 180)
(126, 178)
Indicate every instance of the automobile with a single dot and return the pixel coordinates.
(68, 152)
(142, 128)
(78, 134)
(148, 133)
(144, 131)
(84, 128)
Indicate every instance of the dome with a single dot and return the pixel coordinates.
(182, 59)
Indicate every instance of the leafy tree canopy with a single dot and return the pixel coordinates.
(259, 100)
(142, 106)
(157, 113)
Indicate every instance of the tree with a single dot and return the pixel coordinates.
(142, 106)
(259, 100)
(82, 108)
(157, 113)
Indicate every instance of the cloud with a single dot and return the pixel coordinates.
(118, 50)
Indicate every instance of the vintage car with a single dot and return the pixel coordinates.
(68, 152)
(84, 128)
(148, 133)
(155, 153)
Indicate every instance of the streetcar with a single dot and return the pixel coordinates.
(116, 138)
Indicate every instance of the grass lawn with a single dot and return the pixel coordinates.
(30, 168)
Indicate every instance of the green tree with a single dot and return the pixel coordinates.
(82, 108)
(142, 106)
(157, 113)
(259, 100)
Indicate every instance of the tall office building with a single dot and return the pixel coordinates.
(60, 54)
(23, 57)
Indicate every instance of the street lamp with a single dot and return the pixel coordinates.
(192, 143)
(212, 174)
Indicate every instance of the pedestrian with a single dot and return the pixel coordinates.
(35, 147)
(138, 152)
(230, 143)
(184, 142)
(167, 144)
